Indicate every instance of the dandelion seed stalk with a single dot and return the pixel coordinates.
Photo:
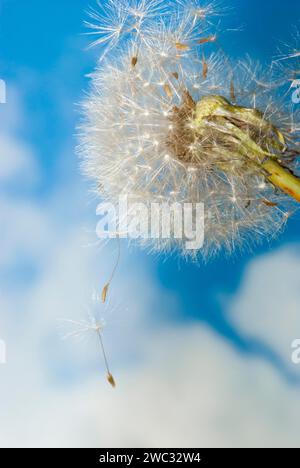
(92, 325)
(107, 286)
(110, 377)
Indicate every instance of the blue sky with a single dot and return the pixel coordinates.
(44, 61)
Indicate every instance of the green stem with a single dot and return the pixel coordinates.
(283, 179)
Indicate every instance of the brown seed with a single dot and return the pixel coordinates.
(188, 101)
(232, 91)
(204, 68)
(104, 293)
(175, 75)
(111, 380)
(181, 46)
(269, 203)
(168, 91)
(134, 61)
(205, 40)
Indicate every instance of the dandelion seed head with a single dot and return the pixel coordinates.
(167, 127)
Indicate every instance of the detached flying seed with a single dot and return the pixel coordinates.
(94, 324)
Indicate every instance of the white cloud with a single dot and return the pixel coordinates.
(268, 304)
(188, 388)
(16, 161)
(192, 390)
(11, 113)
